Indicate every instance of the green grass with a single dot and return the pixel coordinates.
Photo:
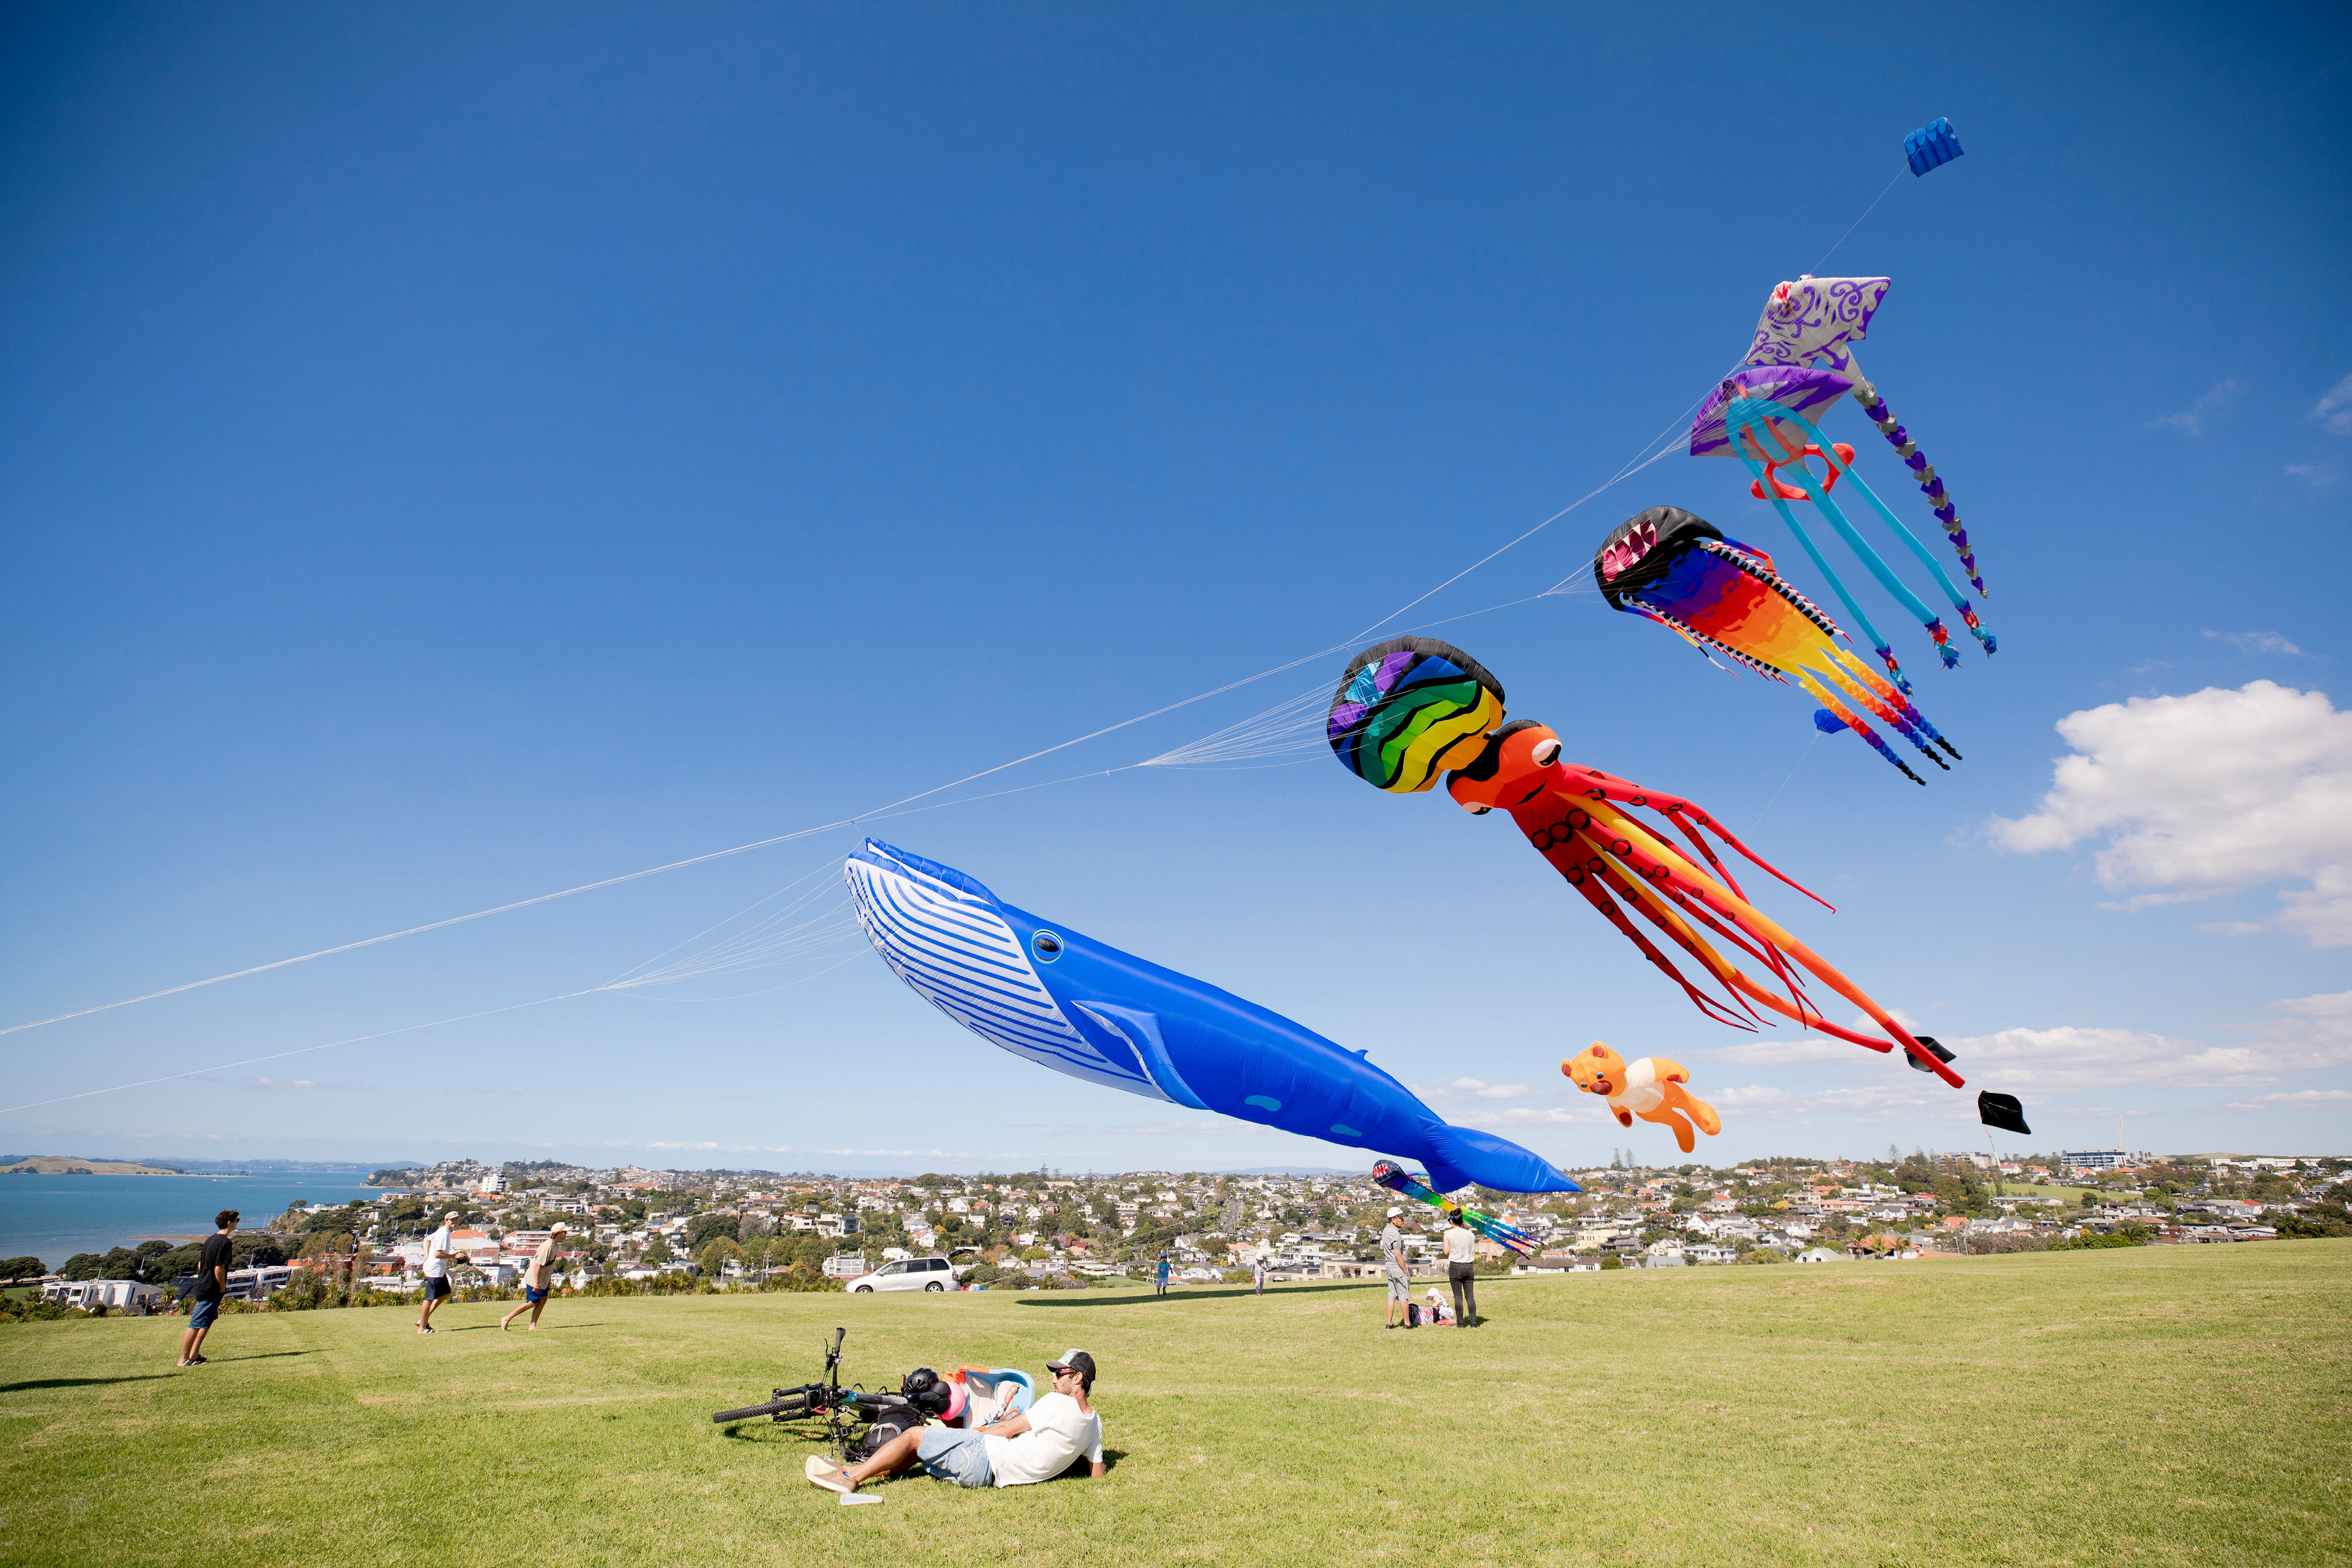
(2044, 1190)
(2160, 1404)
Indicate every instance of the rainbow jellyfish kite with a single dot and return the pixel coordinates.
(1675, 568)
(1764, 416)
(1582, 821)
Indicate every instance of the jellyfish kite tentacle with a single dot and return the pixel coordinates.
(1745, 419)
(1839, 464)
(1874, 409)
(1854, 721)
(1857, 669)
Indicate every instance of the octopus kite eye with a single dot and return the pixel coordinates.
(1475, 809)
(1545, 753)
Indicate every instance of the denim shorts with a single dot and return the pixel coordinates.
(535, 1292)
(958, 1457)
(201, 1313)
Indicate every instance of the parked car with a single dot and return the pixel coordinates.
(908, 1274)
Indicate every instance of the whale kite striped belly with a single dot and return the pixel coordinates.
(955, 950)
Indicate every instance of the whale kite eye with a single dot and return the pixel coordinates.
(1046, 946)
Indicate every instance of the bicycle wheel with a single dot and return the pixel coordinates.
(782, 1409)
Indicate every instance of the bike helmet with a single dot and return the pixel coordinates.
(919, 1383)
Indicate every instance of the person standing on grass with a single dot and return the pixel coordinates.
(1399, 1281)
(537, 1281)
(1013, 1450)
(1160, 1276)
(439, 1248)
(1257, 1268)
(211, 1284)
(1462, 1269)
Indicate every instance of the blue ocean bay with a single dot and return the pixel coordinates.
(53, 1218)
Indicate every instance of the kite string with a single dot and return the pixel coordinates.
(1856, 224)
(304, 1050)
(1623, 474)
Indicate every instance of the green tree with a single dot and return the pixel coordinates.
(702, 1227)
(26, 1268)
(715, 1254)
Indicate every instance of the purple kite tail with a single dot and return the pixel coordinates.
(1894, 670)
(1929, 485)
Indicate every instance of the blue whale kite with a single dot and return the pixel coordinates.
(1072, 1003)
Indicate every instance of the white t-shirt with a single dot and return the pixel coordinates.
(536, 1275)
(435, 1266)
(1058, 1432)
(1460, 1244)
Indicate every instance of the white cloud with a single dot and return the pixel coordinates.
(1781, 1053)
(2318, 476)
(1585, 1109)
(2205, 793)
(2335, 409)
(2192, 418)
(2256, 642)
(1468, 1089)
(2293, 1099)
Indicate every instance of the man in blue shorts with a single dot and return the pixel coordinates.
(211, 1284)
(538, 1280)
(1013, 1450)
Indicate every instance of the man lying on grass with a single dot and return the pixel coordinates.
(1011, 1451)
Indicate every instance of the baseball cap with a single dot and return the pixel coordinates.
(1394, 1211)
(1075, 1360)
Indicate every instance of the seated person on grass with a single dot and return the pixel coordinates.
(1012, 1451)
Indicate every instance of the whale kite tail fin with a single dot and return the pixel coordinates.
(1460, 1156)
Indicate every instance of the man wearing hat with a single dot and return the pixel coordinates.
(1012, 1450)
(537, 1280)
(1400, 1283)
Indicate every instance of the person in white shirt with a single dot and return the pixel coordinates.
(537, 1281)
(1462, 1269)
(1013, 1450)
(438, 1250)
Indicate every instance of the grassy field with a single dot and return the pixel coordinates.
(2158, 1405)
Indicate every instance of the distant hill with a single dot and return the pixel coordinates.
(71, 1166)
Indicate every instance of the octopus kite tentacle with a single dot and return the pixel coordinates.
(1594, 785)
(1579, 819)
(1584, 882)
(1875, 407)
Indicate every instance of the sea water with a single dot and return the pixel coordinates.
(53, 1218)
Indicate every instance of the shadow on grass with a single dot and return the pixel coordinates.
(76, 1382)
(1142, 1299)
(262, 1355)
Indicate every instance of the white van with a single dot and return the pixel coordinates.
(908, 1274)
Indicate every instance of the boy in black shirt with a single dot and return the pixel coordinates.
(211, 1284)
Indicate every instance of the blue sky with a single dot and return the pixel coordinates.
(449, 457)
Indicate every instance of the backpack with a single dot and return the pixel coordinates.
(1412, 1314)
(889, 1424)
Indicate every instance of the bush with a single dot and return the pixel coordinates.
(33, 1309)
(2092, 1241)
(1760, 1255)
(1612, 1261)
(1982, 1245)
